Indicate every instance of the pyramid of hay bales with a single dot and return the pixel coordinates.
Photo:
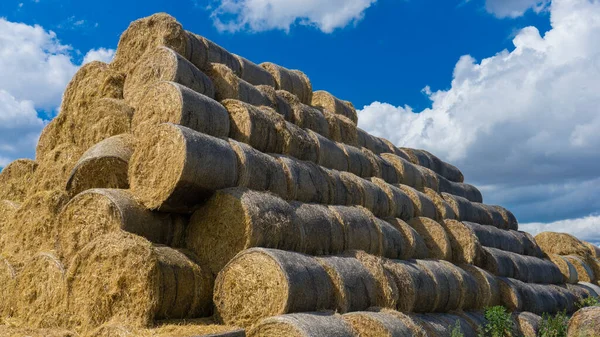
(184, 191)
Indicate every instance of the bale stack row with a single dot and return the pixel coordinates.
(182, 181)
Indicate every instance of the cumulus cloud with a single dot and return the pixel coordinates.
(261, 15)
(100, 54)
(522, 124)
(514, 8)
(585, 228)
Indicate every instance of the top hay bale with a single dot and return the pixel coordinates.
(585, 323)
(15, 179)
(303, 325)
(293, 81)
(325, 100)
(561, 244)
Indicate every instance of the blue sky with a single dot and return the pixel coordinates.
(505, 89)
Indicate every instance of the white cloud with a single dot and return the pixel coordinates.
(514, 8)
(261, 15)
(585, 228)
(522, 124)
(100, 54)
(20, 127)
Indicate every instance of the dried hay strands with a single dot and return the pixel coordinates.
(442, 207)
(301, 114)
(584, 271)
(466, 191)
(567, 269)
(422, 205)
(377, 324)
(323, 233)
(488, 287)
(449, 289)
(593, 248)
(306, 181)
(466, 247)
(330, 154)
(408, 173)
(358, 162)
(525, 268)
(435, 237)
(303, 325)
(528, 323)
(400, 202)
(341, 128)
(7, 279)
(585, 322)
(386, 289)
(493, 237)
(416, 329)
(218, 54)
(415, 247)
(325, 100)
(371, 142)
(561, 244)
(255, 74)
(300, 144)
(293, 81)
(478, 213)
(229, 86)
(106, 117)
(360, 230)
(417, 290)
(426, 159)
(15, 179)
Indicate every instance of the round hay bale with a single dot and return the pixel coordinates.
(106, 117)
(580, 291)
(170, 102)
(561, 244)
(229, 86)
(303, 325)
(323, 233)
(54, 169)
(343, 191)
(259, 171)
(475, 319)
(260, 283)
(509, 217)
(370, 196)
(175, 168)
(594, 265)
(498, 262)
(528, 323)
(105, 165)
(52, 135)
(355, 288)
(377, 324)
(510, 295)
(493, 237)
(594, 289)
(306, 181)
(371, 142)
(530, 246)
(422, 205)
(443, 209)
(567, 269)
(417, 290)
(360, 230)
(376, 163)
(12, 331)
(164, 64)
(432, 324)
(585, 323)
(32, 227)
(535, 270)
(585, 273)
(435, 237)
(448, 287)
(341, 128)
(399, 201)
(257, 127)
(358, 162)
(325, 100)
(194, 327)
(415, 329)
(496, 216)
(303, 115)
(392, 240)
(166, 283)
(386, 289)
(408, 173)
(7, 279)
(415, 247)
(430, 180)
(299, 143)
(469, 295)
(115, 329)
(461, 324)
(255, 74)
(15, 179)
(7, 209)
(466, 247)
(236, 219)
(96, 212)
(593, 248)
(41, 292)
(463, 190)
(330, 154)
(470, 211)
(293, 81)
(488, 287)
(218, 54)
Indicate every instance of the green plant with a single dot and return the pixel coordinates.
(457, 331)
(588, 302)
(554, 326)
(499, 323)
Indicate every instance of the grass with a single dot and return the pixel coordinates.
(554, 326)
(499, 324)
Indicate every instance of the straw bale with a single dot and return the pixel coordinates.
(371, 142)
(15, 179)
(594, 264)
(302, 115)
(408, 173)
(175, 168)
(454, 320)
(255, 74)
(358, 162)
(355, 288)
(195, 327)
(386, 289)
(7, 209)
(259, 171)
(352, 186)
(430, 180)
(466, 247)
(106, 117)
(448, 287)
(466, 191)
(400, 202)
(170, 102)
(164, 64)
(422, 205)
(475, 319)
(561, 244)
(372, 197)
(301, 144)
(167, 283)
(236, 219)
(426, 159)
(325, 100)
(441, 206)
(54, 169)
(594, 289)
(584, 271)
(341, 128)
(258, 127)
(435, 237)
(470, 298)
(360, 230)
(414, 245)
(567, 268)
(17, 331)
(7, 280)
(105, 165)
(415, 329)
(52, 135)
(323, 233)
(218, 54)
(580, 291)
(496, 216)
(432, 325)
(472, 212)
(377, 324)
(303, 325)
(509, 294)
(497, 238)
(488, 287)
(391, 148)
(96, 212)
(306, 181)
(528, 323)
(330, 154)
(229, 86)
(115, 329)
(260, 283)
(41, 292)
(293, 81)
(585, 323)
(378, 164)
(417, 289)
(392, 240)
(509, 217)
(593, 248)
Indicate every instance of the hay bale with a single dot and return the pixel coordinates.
(330, 154)
(426, 159)
(170, 102)
(474, 212)
(355, 288)
(303, 325)
(371, 196)
(360, 230)
(254, 74)
(417, 290)
(422, 205)
(408, 173)
(229, 86)
(194, 327)
(293, 81)
(386, 289)
(535, 270)
(509, 217)
(325, 100)
(260, 283)
(259, 171)
(567, 269)
(448, 287)
(463, 190)
(353, 187)
(377, 324)
(105, 165)
(593, 248)
(258, 127)
(497, 217)
(594, 264)
(164, 64)
(341, 128)
(106, 117)
(585, 323)
(509, 294)
(493, 237)
(475, 319)
(415, 247)
(432, 324)
(323, 233)
(12, 331)
(15, 179)
(166, 284)
(443, 209)
(470, 298)
(466, 247)
(358, 162)
(197, 164)
(300, 144)
(7, 209)
(435, 237)
(371, 142)
(51, 136)
(96, 212)
(306, 181)
(301, 114)
(584, 271)
(400, 202)
(561, 244)
(415, 329)
(528, 323)
(7, 279)
(392, 240)
(487, 285)
(41, 292)
(54, 169)
(218, 54)
(430, 180)
(594, 289)
(453, 321)
(236, 219)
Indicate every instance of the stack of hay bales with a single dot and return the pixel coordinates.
(184, 182)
